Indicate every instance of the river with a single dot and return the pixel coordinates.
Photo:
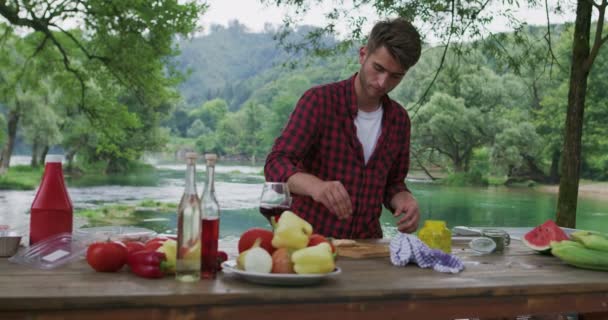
(238, 188)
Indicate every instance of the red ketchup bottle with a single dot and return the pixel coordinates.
(51, 211)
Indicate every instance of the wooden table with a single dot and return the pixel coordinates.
(518, 282)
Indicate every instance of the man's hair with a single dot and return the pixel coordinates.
(399, 37)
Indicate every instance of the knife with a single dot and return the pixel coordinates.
(465, 231)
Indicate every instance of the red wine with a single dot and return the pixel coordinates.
(269, 212)
(211, 231)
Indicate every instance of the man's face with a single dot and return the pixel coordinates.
(380, 72)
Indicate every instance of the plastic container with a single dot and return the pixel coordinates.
(115, 233)
(52, 252)
(483, 245)
(436, 235)
(51, 211)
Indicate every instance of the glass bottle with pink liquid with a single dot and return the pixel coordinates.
(211, 222)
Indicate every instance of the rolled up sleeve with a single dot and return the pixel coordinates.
(399, 170)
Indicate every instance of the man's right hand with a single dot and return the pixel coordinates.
(334, 196)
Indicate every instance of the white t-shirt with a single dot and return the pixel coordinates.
(368, 125)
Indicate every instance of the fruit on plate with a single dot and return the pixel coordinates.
(250, 235)
(255, 259)
(539, 239)
(107, 256)
(281, 261)
(576, 254)
(313, 260)
(291, 232)
(589, 250)
(591, 239)
(316, 238)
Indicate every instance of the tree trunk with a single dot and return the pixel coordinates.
(34, 160)
(7, 151)
(69, 157)
(43, 154)
(554, 171)
(571, 153)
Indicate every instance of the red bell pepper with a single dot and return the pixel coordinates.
(148, 264)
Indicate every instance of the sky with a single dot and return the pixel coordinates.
(255, 15)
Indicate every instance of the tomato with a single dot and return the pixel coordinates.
(316, 238)
(153, 244)
(134, 246)
(248, 238)
(107, 256)
(221, 257)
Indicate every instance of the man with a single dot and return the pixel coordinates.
(345, 150)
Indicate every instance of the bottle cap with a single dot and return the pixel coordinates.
(211, 158)
(53, 158)
(191, 155)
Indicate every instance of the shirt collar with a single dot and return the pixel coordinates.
(352, 104)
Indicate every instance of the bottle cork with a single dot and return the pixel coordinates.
(191, 157)
(211, 159)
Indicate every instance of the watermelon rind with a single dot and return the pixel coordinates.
(539, 239)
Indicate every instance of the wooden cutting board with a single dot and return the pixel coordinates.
(361, 250)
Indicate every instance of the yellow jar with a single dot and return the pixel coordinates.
(436, 235)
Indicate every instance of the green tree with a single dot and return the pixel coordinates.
(210, 113)
(453, 21)
(449, 127)
(129, 40)
(42, 123)
(515, 146)
(251, 136)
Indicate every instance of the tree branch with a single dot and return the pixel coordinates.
(27, 61)
(418, 104)
(547, 37)
(598, 41)
(12, 15)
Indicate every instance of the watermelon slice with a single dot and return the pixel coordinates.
(539, 239)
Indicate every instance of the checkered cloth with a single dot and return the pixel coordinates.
(406, 248)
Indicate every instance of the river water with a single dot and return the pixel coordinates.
(238, 189)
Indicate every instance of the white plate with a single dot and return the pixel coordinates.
(280, 279)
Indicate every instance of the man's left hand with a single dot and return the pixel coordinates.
(405, 205)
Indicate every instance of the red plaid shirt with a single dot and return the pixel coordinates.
(320, 139)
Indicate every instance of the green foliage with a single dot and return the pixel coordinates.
(460, 179)
(210, 113)
(21, 178)
(516, 141)
(445, 124)
(100, 90)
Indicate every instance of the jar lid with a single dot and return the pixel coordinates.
(53, 158)
(483, 245)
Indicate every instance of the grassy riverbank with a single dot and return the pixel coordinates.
(122, 214)
(21, 177)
